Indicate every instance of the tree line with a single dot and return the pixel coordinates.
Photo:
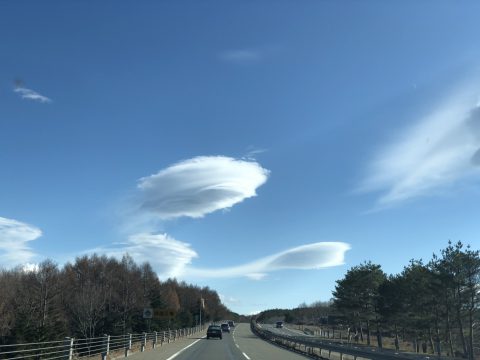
(431, 306)
(434, 303)
(312, 314)
(97, 295)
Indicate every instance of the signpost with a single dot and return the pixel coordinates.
(147, 313)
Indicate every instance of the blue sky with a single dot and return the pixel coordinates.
(258, 147)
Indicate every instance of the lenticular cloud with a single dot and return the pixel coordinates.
(306, 257)
(199, 186)
(167, 255)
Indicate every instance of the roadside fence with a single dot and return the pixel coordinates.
(102, 347)
(320, 349)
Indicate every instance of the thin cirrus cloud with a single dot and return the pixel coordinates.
(241, 56)
(14, 242)
(306, 257)
(438, 151)
(31, 95)
(198, 186)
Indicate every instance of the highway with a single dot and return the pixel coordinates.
(360, 351)
(241, 344)
(284, 330)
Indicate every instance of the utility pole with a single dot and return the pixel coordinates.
(202, 305)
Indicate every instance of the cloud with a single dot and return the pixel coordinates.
(256, 276)
(166, 255)
(14, 238)
(31, 95)
(240, 56)
(198, 186)
(252, 152)
(30, 267)
(441, 149)
(228, 300)
(311, 256)
(172, 258)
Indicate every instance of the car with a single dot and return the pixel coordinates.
(279, 324)
(214, 331)
(231, 323)
(225, 327)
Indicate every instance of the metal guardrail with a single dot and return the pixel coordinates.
(113, 346)
(321, 349)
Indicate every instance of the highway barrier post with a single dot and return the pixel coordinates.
(68, 343)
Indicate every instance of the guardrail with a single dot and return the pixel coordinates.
(320, 349)
(111, 346)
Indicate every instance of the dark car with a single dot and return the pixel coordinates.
(231, 323)
(279, 324)
(225, 327)
(214, 331)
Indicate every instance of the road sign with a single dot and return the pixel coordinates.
(147, 313)
(164, 313)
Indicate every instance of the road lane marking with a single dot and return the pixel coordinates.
(238, 347)
(185, 348)
(245, 355)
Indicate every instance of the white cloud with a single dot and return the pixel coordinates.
(256, 276)
(252, 152)
(167, 256)
(311, 256)
(31, 95)
(14, 238)
(439, 150)
(199, 186)
(240, 56)
(172, 258)
(228, 300)
(30, 267)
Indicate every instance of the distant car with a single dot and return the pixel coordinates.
(231, 323)
(279, 324)
(225, 327)
(214, 331)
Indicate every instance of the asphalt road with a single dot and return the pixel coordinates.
(241, 344)
(284, 330)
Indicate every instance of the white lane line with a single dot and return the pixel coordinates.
(185, 348)
(238, 347)
(245, 355)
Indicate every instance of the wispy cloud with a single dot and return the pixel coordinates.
(439, 150)
(241, 56)
(31, 95)
(252, 152)
(198, 186)
(14, 239)
(311, 256)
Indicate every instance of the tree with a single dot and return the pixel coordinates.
(460, 271)
(86, 284)
(356, 296)
(37, 301)
(8, 284)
